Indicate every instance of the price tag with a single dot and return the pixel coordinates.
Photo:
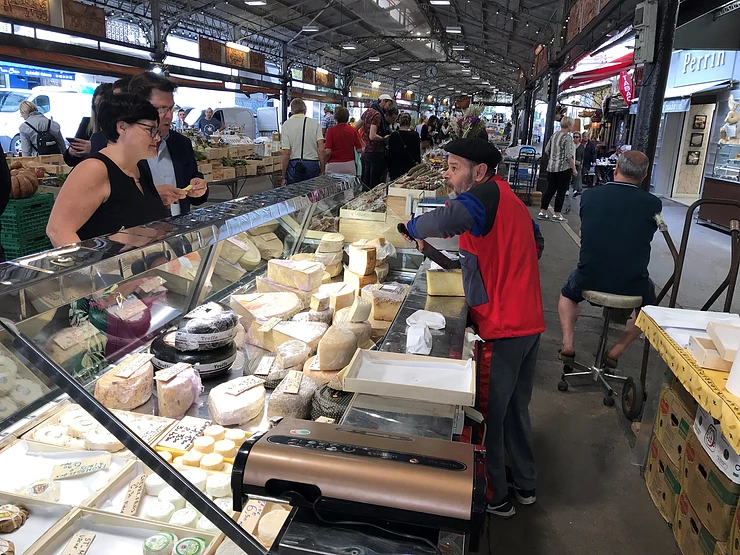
(393, 289)
(241, 385)
(79, 468)
(271, 323)
(168, 373)
(183, 435)
(265, 365)
(251, 514)
(79, 544)
(127, 368)
(293, 381)
(315, 364)
(151, 284)
(72, 336)
(325, 420)
(129, 309)
(133, 496)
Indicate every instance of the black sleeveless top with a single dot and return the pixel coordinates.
(126, 206)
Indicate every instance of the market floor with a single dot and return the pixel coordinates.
(591, 499)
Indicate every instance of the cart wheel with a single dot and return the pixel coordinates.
(633, 399)
(609, 400)
(562, 384)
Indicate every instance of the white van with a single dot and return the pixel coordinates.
(66, 107)
(228, 116)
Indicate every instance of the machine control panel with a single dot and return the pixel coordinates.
(331, 447)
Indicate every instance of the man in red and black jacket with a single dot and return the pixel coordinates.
(498, 256)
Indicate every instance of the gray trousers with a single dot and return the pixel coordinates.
(508, 428)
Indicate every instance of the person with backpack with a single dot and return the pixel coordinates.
(39, 134)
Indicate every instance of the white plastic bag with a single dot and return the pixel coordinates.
(418, 340)
(434, 320)
(469, 343)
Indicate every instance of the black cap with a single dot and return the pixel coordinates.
(475, 150)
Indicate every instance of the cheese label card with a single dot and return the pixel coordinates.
(265, 365)
(129, 309)
(251, 514)
(325, 420)
(293, 381)
(126, 369)
(133, 496)
(168, 373)
(79, 468)
(241, 385)
(151, 284)
(271, 323)
(72, 336)
(182, 436)
(315, 364)
(394, 289)
(79, 544)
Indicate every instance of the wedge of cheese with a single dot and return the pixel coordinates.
(357, 281)
(341, 294)
(334, 270)
(308, 332)
(362, 330)
(251, 257)
(445, 283)
(269, 245)
(336, 348)
(299, 274)
(264, 285)
(227, 409)
(381, 271)
(233, 249)
(304, 256)
(125, 393)
(331, 242)
(361, 260)
(230, 272)
(175, 396)
(328, 258)
(386, 300)
(261, 307)
(360, 310)
(319, 301)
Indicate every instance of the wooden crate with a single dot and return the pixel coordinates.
(415, 193)
(43, 515)
(250, 171)
(228, 173)
(120, 534)
(205, 167)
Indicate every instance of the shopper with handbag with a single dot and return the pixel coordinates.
(302, 143)
(341, 141)
(404, 148)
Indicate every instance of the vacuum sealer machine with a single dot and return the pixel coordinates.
(345, 473)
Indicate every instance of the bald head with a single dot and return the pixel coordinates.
(632, 167)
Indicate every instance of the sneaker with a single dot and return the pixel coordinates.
(559, 219)
(577, 194)
(543, 216)
(504, 509)
(525, 496)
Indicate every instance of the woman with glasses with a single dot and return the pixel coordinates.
(106, 192)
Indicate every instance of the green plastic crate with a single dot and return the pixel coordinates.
(16, 249)
(26, 218)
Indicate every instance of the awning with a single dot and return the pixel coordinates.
(678, 99)
(611, 69)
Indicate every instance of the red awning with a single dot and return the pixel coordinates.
(611, 69)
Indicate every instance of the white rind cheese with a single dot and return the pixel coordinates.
(336, 348)
(269, 245)
(331, 242)
(299, 274)
(177, 395)
(229, 410)
(292, 353)
(361, 260)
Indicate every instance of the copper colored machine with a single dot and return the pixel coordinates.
(355, 474)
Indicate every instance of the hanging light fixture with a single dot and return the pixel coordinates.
(310, 28)
(458, 47)
(454, 30)
(349, 46)
(373, 59)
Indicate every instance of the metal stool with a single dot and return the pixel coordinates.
(597, 372)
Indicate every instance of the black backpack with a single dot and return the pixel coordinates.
(46, 142)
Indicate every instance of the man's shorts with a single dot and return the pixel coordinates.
(571, 290)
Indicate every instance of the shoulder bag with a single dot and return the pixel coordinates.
(300, 167)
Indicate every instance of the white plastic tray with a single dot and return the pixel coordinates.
(42, 515)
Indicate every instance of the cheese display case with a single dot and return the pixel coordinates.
(176, 341)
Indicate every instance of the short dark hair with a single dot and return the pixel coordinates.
(144, 83)
(341, 114)
(392, 111)
(122, 84)
(404, 119)
(181, 110)
(125, 107)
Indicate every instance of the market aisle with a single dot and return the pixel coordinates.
(590, 498)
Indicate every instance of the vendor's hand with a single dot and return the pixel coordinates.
(198, 187)
(79, 148)
(170, 195)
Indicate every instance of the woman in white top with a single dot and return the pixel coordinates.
(561, 167)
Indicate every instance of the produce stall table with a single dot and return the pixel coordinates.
(235, 185)
(707, 387)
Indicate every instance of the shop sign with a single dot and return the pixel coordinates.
(540, 59)
(363, 88)
(309, 75)
(574, 21)
(676, 105)
(210, 50)
(728, 8)
(82, 18)
(236, 57)
(257, 61)
(626, 87)
(36, 11)
(36, 72)
(702, 66)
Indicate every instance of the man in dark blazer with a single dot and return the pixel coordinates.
(589, 157)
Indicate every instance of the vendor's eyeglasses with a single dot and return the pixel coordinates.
(153, 129)
(165, 110)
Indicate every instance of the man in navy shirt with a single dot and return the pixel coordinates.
(617, 227)
(209, 125)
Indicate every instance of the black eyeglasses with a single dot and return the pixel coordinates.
(153, 129)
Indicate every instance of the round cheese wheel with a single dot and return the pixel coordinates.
(237, 436)
(320, 377)
(184, 517)
(207, 363)
(226, 448)
(218, 485)
(270, 524)
(197, 477)
(362, 330)
(212, 461)
(208, 327)
(192, 458)
(215, 431)
(170, 495)
(160, 511)
(336, 348)
(204, 444)
(154, 484)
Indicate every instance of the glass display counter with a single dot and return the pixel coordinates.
(71, 315)
(722, 181)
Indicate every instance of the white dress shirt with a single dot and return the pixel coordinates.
(163, 171)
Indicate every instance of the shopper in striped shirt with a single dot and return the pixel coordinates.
(561, 167)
